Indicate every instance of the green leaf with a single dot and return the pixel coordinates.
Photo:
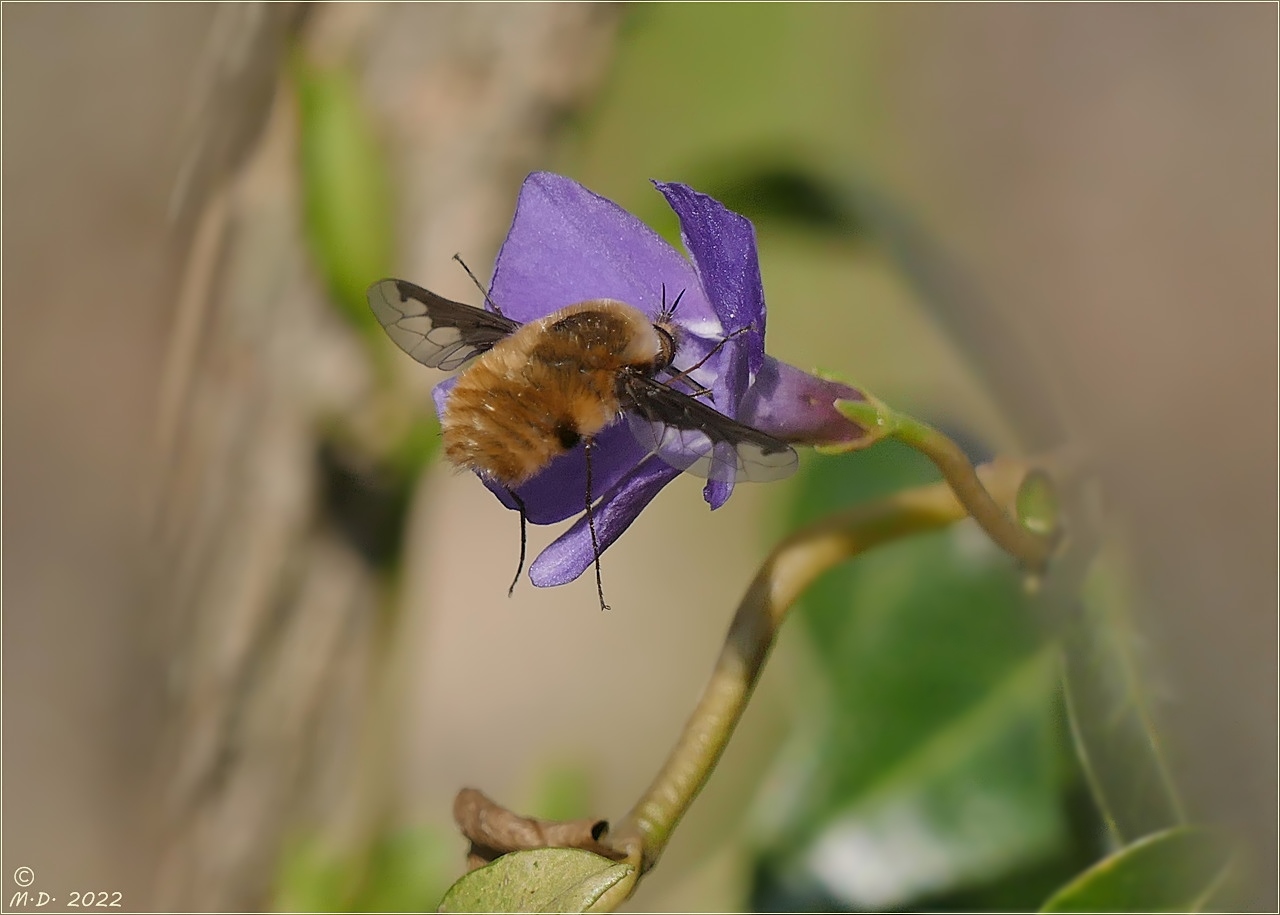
(769, 186)
(346, 190)
(542, 880)
(1110, 712)
(405, 871)
(311, 880)
(1177, 870)
(931, 762)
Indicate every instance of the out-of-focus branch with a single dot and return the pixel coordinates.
(274, 618)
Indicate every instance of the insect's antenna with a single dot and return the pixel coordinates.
(524, 539)
(666, 313)
(591, 525)
(484, 292)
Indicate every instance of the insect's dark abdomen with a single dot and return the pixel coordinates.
(568, 434)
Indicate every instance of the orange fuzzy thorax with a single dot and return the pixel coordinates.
(550, 384)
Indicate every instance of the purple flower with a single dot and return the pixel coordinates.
(568, 245)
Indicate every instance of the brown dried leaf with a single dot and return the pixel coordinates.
(493, 831)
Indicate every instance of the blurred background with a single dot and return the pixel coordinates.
(256, 635)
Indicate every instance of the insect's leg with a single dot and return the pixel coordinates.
(524, 539)
(483, 291)
(683, 374)
(591, 525)
(695, 390)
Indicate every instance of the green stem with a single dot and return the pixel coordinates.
(789, 570)
(1030, 548)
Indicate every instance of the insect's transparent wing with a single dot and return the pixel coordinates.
(695, 438)
(437, 332)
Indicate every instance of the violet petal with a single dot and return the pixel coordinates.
(730, 389)
(559, 491)
(571, 554)
(795, 406)
(568, 245)
(722, 244)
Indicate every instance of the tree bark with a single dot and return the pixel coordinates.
(273, 620)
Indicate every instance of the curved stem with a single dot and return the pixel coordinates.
(789, 570)
(1030, 548)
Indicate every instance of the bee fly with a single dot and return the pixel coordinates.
(535, 391)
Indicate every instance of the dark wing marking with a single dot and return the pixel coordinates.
(695, 438)
(434, 330)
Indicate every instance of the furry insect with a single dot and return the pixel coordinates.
(537, 390)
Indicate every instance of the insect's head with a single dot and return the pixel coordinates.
(668, 332)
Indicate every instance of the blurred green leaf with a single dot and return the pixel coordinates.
(676, 77)
(310, 879)
(933, 761)
(543, 880)
(408, 872)
(1110, 712)
(346, 190)
(403, 872)
(768, 187)
(1173, 871)
(777, 186)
